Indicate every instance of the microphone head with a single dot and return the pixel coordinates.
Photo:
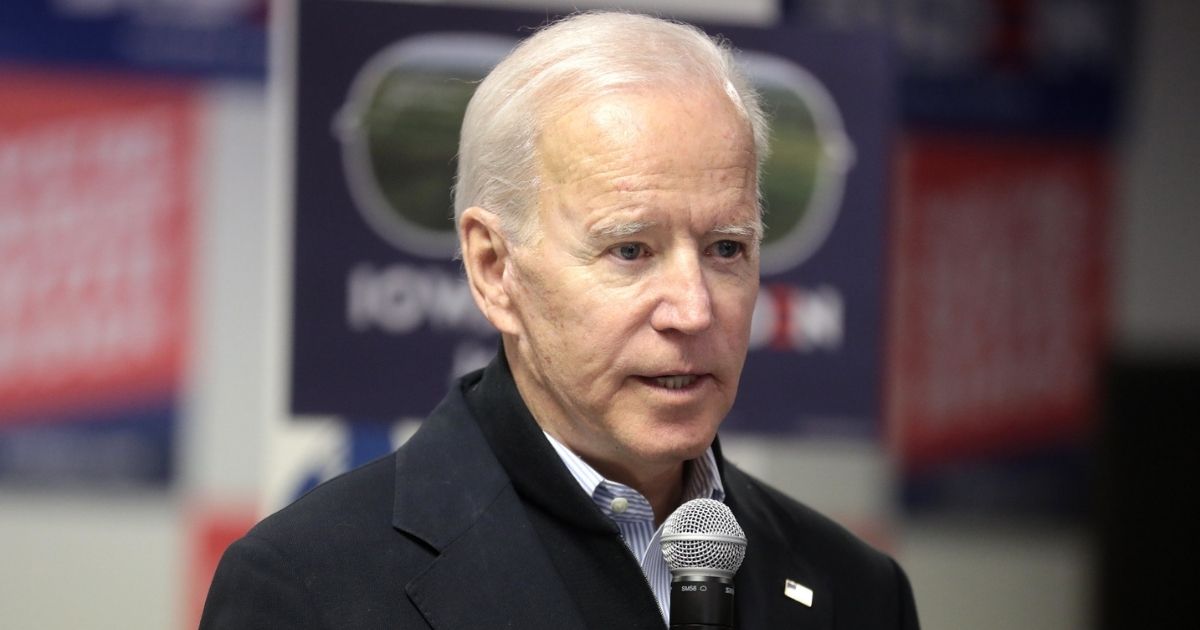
(702, 537)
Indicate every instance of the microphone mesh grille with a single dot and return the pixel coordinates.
(703, 517)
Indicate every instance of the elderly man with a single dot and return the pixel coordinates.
(607, 209)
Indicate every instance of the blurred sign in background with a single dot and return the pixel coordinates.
(200, 38)
(96, 213)
(972, 204)
(377, 294)
(1001, 241)
(998, 320)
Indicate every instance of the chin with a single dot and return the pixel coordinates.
(674, 445)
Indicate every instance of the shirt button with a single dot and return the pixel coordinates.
(619, 505)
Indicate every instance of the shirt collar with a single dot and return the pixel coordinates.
(701, 477)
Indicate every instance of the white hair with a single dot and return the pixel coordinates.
(580, 57)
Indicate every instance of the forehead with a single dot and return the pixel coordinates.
(627, 121)
(621, 148)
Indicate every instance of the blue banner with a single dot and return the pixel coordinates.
(190, 37)
(383, 321)
(997, 66)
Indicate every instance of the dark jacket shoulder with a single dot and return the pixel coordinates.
(865, 586)
(319, 562)
(350, 504)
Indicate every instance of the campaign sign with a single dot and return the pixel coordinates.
(95, 230)
(194, 37)
(1049, 67)
(383, 320)
(997, 307)
(1032, 67)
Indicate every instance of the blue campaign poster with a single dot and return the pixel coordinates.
(382, 320)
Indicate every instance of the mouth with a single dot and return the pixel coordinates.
(674, 382)
(678, 381)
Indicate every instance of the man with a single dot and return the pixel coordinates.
(607, 209)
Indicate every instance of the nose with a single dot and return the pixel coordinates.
(685, 301)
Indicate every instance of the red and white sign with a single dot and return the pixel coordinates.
(997, 296)
(96, 196)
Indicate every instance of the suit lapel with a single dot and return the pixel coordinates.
(496, 575)
(762, 595)
(488, 569)
(592, 563)
(771, 562)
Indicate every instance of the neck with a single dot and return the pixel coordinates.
(661, 482)
(662, 487)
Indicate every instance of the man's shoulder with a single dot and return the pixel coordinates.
(352, 503)
(766, 504)
(794, 525)
(330, 559)
(789, 540)
(365, 497)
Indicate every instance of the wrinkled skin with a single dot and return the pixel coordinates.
(626, 320)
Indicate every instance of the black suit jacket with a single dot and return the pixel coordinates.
(476, 523)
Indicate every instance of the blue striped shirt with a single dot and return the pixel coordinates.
(634, 517)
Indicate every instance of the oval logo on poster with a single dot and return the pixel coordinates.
(805, 174)
(399, 132)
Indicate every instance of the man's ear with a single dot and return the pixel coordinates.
(486, 259)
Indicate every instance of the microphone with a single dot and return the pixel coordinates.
(703, 546)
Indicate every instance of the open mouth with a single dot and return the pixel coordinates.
(673, 382)
(676, 382)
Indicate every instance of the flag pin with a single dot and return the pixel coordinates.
(798, 592)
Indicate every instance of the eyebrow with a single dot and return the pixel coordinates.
(743, 230)
(619, 230)
(629, 228)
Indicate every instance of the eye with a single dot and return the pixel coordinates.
(727, 249)
(629, 251)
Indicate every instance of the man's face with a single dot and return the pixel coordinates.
(634, 302)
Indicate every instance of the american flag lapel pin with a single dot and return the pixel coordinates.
(798, 592)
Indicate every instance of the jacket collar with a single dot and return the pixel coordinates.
(774, 543)
(539, 476)
(457, 488)
(425, 464)
(496, 443)
(487, 567)
(536, 471)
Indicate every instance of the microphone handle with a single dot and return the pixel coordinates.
(701, 602)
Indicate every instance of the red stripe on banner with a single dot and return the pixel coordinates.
(781, 339)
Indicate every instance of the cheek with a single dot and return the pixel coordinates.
(597, 345)
(561, 322)
(538, 295)
(737, 299)
(749, 301)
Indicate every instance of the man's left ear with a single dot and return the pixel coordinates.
(486, 259)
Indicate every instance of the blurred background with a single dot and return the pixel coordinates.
(225, 277)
